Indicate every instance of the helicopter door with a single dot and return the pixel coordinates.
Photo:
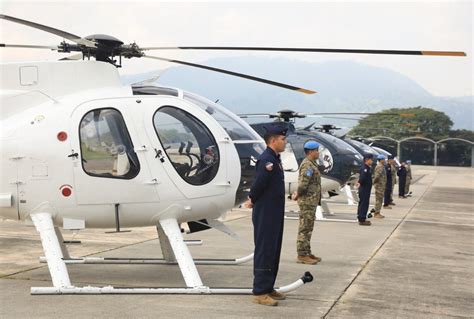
(107, 169)
(189, 144)
(290, 167)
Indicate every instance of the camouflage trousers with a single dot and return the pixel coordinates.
(391, 194)
(379, 192)
(305, 230)
(407, 185)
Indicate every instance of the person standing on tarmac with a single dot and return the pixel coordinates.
(402, 177)
(379, 181)
(391, 162)
(388, 186)
(365, 186)
(267, 198)
(308, 196)
(409, 177)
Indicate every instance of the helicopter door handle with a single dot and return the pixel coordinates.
(159, 154)
(76, 155)
(154, 181)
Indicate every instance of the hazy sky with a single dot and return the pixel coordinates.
(402, 25)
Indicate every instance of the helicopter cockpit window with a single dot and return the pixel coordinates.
(106, 147)
(234, 129)
(188, 143)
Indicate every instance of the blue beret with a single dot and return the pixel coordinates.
(276, 129)
(368, 156)
(408, 162)
(381, 157)
(311, 145)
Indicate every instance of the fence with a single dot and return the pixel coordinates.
(450, 151)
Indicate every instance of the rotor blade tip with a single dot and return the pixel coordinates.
(306, 91)
(444, 53)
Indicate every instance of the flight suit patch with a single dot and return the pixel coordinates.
(269, 166)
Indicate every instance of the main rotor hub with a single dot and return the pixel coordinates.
(287, 115)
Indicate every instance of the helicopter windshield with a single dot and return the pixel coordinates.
(188, 143)
(365, 148)
(232, 124)
(247, 142)
(340, 146)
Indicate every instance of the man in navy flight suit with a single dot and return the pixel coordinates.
(365, 186)
(389, 185)
(267, 198)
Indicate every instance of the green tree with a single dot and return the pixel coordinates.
(464, 134)
(415, 121)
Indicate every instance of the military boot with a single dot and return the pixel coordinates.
(306, 260)
(318, 259)
(378, 215)
(265, 300)
(277, 295)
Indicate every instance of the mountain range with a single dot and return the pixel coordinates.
(343, 86)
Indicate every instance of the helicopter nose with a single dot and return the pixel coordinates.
(248, 154)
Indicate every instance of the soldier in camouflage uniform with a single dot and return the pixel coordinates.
(308, 196)
(408, 181)
(379, 180)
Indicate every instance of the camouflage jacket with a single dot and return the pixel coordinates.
(309, 183)
(380, 178)
(409, 172)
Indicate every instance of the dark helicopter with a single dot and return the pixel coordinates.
(358, 144)
(339, 162)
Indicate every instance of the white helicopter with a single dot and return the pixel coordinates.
(79, 149)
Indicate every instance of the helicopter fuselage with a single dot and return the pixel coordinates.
(339, 163)
(78, 143)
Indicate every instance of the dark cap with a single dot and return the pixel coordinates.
(368, 156)
(275, 129)
(390, 157)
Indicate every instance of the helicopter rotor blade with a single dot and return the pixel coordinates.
(324, 50)
(245, 116)
(71, 37)
(308, 127)
(245, 76)
(50, 47)
(350, 113)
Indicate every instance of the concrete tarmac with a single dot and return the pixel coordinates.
(418, 262)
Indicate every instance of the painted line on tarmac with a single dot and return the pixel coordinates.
(377, 250)
(438, 223)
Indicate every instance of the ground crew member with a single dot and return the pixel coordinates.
(308, 196)
(267, 198)
(388, 186)
(402, 177)
(391, 162)
(379, 181)
(409, 177)
(365, 186)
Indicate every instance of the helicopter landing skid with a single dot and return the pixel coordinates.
(150, 261)
(319, 214)
(202, 290)
(56, 259)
